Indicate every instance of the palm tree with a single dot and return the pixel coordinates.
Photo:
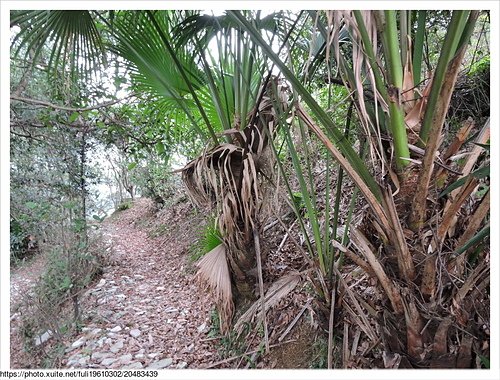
(229, 95)
(232, 96)
(418, 248)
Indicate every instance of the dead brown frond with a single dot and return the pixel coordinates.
(363, 85)
(391, 289)
(277, 291)
(213, 270)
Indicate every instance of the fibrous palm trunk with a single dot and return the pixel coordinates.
(228, 177)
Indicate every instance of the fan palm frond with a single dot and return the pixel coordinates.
(214, 271)
(73, 35)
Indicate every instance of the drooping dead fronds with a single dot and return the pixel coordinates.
(360, 75)
(227, 175)
(277, 291)
(227, 178)
(214, 271)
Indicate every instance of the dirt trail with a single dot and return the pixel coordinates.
(22, 280)
(146, 311)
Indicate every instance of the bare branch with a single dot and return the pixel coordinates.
(64, 108)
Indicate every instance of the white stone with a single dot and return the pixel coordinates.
(125, 359)
(161, 364)
(71, 362)
(116, 347)
(134, 365)
(181, 365)
(43, 338)
(116, 329)
(108, 361)
(202, 327)
(139, 356)
(98, 356)
(83, 360)
(135, 333)
(80, 342)
(102, 300)
(96, 331)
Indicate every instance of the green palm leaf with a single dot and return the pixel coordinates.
(73, 38)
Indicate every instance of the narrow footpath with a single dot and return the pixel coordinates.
(146, 311)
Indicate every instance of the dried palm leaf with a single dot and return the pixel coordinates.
(391, 289)
(213, 270)
(415, 115)
(407, 94)
(363, 71)
(277, 291)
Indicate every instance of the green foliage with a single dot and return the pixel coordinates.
(320, 353)
(155, 181)
(298, 200)
(485, 362)
(44, 177)
(64, 271)
(230, 344)
(18, 241)
(100, 219)
(209, 238)
(479, 237)
(124, 206)
(483, 172)
(73, 33)
(480, 66)
(55, 282)
(214, 324)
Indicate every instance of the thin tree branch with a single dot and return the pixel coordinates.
(261, 284)
(28, 136)
(23, 83)
(64, 108)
